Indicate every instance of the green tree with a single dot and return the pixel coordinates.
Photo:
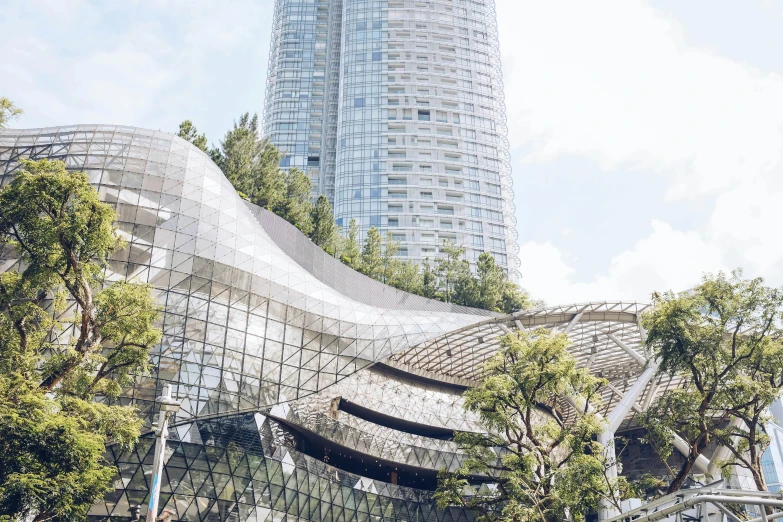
(453, 273)
(324, 233)
(429, 280)
(8, 111)
(372, 254)
(724, 339)
(53, 363)
(540, 464)
(513, 299)
(251, 164)
(295, 205)
(490, 288)
(350, 249)
(269, 184)
(746, 436)
(408, 278)
(51, 461)
(391, 265)
(490, 280)
(189, 132)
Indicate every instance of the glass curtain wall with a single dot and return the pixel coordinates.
(296, 84)
(415, 135)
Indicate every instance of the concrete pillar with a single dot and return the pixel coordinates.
(606, 439)
(613, 421)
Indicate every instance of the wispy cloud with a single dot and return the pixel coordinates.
(617, 83)
(149, 64)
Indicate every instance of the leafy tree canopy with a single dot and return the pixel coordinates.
(295, 204)
(429, 281)
(533, 465)
(65, 338)
(453, 272)
(724, 339)
(372, 255)
(325, 233)
(350, 249)
(189, 132)
(8, 111)
(489, 289)
(391, 266)
(251, 164)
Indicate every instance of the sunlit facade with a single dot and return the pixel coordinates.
(396, 110)
(257, 322)
(309, 392)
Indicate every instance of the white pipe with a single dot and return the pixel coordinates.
(160, 448)
(573, 322)
(651, 395)
(628, 400)
(702, 462)
(606, 509)
(713, 499)
(726, 512)
(630, 351)
(773, 516)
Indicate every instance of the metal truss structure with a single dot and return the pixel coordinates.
(308, 391)
(606, 338)
(712, 502)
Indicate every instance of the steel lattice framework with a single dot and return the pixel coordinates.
(606, 338)
(275, 348)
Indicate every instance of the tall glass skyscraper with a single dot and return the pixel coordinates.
(395, 110)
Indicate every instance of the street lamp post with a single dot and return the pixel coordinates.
(168, 407)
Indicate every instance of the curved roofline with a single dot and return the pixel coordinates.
(295, 244)
(343, 278)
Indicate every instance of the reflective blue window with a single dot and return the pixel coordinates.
(768, 468)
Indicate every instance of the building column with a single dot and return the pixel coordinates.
(613, 421)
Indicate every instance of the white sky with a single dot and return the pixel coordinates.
(647, 136)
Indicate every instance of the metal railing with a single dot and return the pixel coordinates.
(710, 503)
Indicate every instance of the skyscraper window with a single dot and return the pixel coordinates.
(371, 71)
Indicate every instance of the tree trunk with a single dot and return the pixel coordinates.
(53, 380)
(755, 455)
(761, 484)
(685, 470)
(89, 338)
(758, 475)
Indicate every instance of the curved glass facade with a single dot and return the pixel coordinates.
(245, 326)
(309, 392)
(415, 140)
(252, 324)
